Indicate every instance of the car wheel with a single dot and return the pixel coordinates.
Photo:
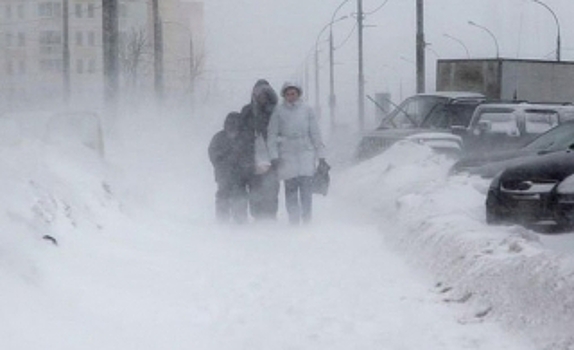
(494, 215)
(564, 221)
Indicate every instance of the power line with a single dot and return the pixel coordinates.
(376, 9)
(347, 38)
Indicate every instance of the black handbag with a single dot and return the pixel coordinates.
(321, 179)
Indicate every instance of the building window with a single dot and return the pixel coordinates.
(79, 39)
(9, 67)
(92, 65)
(91, 11)
(49, 9)
(91, 39)
(21, 39)
(123, 10)
(22, 67)
(80, 66)
(51, 65)
(8, 37)
(45, 9)
(57, 10)
(21, 13)
(79, 11)
(50, 37)
(8, 12)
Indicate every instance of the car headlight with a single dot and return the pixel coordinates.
(566, 186)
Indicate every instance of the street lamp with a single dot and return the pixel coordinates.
(460, 42)
(491, 35)
(332, 97)
(192, 66)
(557, 27)
(317, 89)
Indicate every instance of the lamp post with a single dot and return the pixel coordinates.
(460, 42)
(332, 97)
(191, 50)
(558, 45)
(317, 84)
(489, 33)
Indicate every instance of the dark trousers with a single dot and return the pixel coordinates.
(231, 201)
(264, 195)
(299, 199)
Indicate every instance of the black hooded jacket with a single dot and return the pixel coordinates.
(255, 116)
(230, 156)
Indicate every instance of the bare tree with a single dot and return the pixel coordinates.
(134, 47)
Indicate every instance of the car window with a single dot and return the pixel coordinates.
(443, 116)
(499, 122)
(556, 139)
(412, 112)
(566, 115)
(539, 121)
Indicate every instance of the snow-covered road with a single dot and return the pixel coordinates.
(141, 264)
(333, 285)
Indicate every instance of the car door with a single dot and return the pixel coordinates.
(494, 129)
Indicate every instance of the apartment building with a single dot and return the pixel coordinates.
(31, 47)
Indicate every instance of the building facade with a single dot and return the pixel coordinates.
(32, 44)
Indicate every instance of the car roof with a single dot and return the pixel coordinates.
(526, 105)
(453, 94)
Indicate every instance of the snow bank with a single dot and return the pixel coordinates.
(48, 191)
(505, 273)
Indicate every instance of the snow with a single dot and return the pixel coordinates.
(398, 256)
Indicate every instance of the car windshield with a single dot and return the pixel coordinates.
(443, 116)
(539, 121)
(556, 139)
(412, 112)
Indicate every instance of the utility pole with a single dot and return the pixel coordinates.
(332, 98)
(420, 48)
(110, 25)
(306, 78)
(361, 68)
(317, 91)
(66, 51)
(157, 51)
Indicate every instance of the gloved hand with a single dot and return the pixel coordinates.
(275, 163)
(323, 166)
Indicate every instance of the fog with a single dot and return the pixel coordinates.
(275, 39)
(398, 256)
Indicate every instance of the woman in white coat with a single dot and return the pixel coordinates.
(295, 145)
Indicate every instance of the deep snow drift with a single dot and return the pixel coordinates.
(140, 263)
(506, 273)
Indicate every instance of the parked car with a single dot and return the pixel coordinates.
(488, 165)
(503, 126)
(428, 116)
(539, 190)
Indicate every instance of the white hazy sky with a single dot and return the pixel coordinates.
(248, 39)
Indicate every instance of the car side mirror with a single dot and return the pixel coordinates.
(458, 130)
(484, 125)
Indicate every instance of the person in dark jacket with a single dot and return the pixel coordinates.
(227, 152)
(263, 183)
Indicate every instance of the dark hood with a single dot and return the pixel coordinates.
(262, 87)
(554, 166)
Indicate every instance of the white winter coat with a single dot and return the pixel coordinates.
(294, 138)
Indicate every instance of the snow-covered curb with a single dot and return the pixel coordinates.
(505, 273)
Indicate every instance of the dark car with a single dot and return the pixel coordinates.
(488, 165)
(430, 115)
(537, 191)
(499, 126)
